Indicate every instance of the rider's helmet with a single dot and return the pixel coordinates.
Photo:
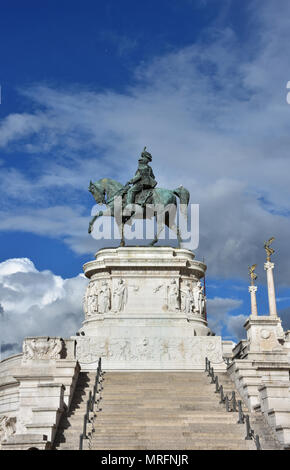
(146, 155)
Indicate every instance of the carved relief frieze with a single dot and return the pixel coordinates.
(189, 349)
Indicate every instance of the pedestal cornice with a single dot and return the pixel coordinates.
(149, 258)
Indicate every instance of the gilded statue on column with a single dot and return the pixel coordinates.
(269, 250)
(253, 275)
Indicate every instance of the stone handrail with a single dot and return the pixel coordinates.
(232, 404)
(91, 404)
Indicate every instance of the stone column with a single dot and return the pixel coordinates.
(254, 309)
(269, 266)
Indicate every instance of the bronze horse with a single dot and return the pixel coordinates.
(106, 190)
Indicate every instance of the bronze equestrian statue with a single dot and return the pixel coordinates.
(144, 195)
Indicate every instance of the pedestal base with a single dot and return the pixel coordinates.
(145, 311)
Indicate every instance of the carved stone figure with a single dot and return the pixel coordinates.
(125, 350)
(169, 349)
(187, 300)
(29, 349)
(173, 296)
(92, 299)
(119, 350)
(120, 296)
(198, 298)
(7, 427)
(104, 298)
(143, 351)
(42, 348)
(85, 303)
(56, 348)
(87, 350)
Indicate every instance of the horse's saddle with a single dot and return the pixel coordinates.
(144, 197)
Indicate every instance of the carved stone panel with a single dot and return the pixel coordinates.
(7, 427)
(189, 350)
(42, 347)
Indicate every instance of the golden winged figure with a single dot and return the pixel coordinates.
(269, 250)
(252, 273)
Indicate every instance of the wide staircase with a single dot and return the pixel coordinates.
(159, 410)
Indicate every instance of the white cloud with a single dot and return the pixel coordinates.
(218, 310)
(284, 314)
(37, 303)
(16, 265)
(235, 326)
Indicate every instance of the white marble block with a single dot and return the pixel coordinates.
(145, 309)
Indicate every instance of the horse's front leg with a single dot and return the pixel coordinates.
(175, 229)
(91, 224)
(179, 239)
(122, 235)
(160, 225)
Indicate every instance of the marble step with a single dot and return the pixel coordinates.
(157, 410)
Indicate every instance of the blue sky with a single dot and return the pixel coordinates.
(85, 85)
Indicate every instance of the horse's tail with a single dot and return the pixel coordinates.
(184, 196)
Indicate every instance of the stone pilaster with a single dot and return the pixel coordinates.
(254, 309)
(269, 266)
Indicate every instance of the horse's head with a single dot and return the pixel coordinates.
(97, 192)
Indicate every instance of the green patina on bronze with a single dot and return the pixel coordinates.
(142, 192)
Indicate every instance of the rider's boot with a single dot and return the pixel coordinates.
(131, 195)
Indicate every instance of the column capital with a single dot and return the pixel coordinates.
(253, 288)
(269, 265)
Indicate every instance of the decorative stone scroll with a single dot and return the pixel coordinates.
(42, 347)
(7, 427)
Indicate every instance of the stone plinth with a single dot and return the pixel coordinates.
(35, 388)
(264, 334)
(145, 309)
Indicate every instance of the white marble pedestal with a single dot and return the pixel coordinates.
(144, 310)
